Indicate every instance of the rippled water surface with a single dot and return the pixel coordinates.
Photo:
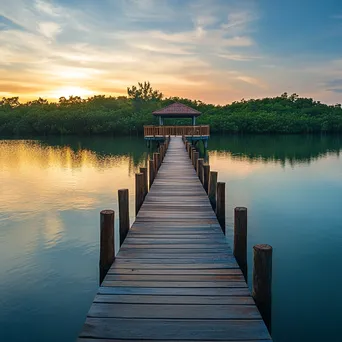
(51, 192)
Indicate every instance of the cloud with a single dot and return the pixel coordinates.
(239, 20)
(252, 81)
(334, 86)
(47, 8)
(49, 29)
(238, 57)
(335, 90)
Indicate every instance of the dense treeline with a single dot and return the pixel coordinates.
(126, 115)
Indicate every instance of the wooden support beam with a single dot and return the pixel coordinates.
(155, 163)
(212, 188)
(221, 205)
(262, 282)
(159, 161)
(205, 180)
(151, 171)
(196, 156)
(139, 191)
(190, 151)
(107, 252)
(240, 238)
(123, 197)
(143, 170)
(161, 152)
(199, 168)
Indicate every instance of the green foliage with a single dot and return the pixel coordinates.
(126, 115)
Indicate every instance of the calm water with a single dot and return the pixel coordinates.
(51, 192)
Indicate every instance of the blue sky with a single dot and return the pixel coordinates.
(216, 51)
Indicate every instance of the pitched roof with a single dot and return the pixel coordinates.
(177, 110)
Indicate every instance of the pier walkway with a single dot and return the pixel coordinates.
(175, 277)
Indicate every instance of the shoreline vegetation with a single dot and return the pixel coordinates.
(123, 115)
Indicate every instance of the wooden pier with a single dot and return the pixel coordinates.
(175, 277)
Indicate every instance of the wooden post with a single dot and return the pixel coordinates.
(193, 156)
(151, 171)
(123, 214)
(212, 188)
(164, 151)
(161, 151)
(205, 181)
(190, 151)
(158, 161)
(196, 156)
(221, 205)
(240, 238)
(155, 164)
(199, 168)
(107, 252)
(139, 191)
(143, 170)
(262, 282)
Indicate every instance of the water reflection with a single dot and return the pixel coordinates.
(59, 177)
(291, 149)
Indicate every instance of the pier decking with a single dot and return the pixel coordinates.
(175, 277)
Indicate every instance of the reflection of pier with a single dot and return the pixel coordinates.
(175, 277)
(194, 132)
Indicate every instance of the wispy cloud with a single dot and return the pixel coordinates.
(252, 81)
(47, 8)
(334, 85)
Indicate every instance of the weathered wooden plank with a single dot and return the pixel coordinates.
(81, 339)
(180, 277)
(176, 291)
(172, 299)
(174, 329)
(181, 258)
(179, 311)
(176, 264)
(179, 248)
(180, 272)
(176, 284)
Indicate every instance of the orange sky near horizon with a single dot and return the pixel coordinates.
(214, 51)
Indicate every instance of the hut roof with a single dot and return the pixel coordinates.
(178, 110)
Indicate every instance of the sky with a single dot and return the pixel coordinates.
(216, 51)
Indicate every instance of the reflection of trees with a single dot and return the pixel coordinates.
(293, 149)
(74, 153)
(131, 148)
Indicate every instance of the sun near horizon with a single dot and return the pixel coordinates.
(214, 51)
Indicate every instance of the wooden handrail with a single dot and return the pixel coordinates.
(151, 131)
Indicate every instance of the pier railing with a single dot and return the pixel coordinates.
(152, 131)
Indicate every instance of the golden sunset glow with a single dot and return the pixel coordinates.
(70, 91)
(214, 51)
(27, 169)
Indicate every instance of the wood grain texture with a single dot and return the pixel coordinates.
(175, 277)
(174, 329)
